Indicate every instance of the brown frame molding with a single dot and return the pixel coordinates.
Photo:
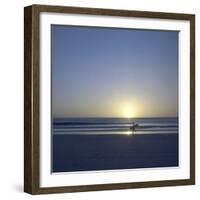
(32, 106)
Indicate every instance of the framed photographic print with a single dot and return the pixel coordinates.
(109, 99)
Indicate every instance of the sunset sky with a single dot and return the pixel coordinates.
(108, 72)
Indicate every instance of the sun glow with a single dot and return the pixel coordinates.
(128, 111)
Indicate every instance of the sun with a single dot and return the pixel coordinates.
(128, 111)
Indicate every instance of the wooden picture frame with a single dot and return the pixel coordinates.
(32, 106)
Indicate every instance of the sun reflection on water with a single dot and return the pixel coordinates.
(129, 132)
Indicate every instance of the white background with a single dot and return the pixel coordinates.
(11, 100)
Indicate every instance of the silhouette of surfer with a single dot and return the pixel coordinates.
(133, 127)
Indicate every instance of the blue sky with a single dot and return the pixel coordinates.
(110, 72)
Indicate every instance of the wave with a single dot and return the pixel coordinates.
(115, 126)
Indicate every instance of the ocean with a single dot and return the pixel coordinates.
(114, 125)
(85, 144)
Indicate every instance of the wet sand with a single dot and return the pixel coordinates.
(107, 152)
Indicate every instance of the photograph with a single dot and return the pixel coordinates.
(109, 99)
(114, 98)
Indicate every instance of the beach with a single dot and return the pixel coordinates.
(82, 152)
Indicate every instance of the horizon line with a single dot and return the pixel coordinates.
(120, 117)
